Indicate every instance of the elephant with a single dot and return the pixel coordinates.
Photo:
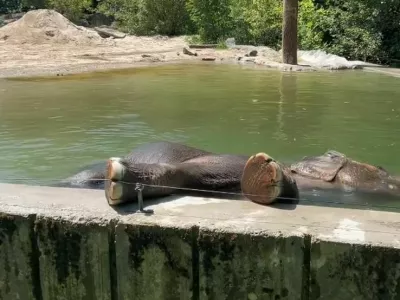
(166, 168)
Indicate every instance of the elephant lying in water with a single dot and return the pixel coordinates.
(170, 168)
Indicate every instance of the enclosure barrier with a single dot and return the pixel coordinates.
(60, 243)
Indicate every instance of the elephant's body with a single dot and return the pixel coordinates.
(208, 171)
(163, 166)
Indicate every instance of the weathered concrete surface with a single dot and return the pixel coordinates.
(194, 248)
(74, 259)
(354, 271)
(154, 262)
(246, 266)
(67, 246)
(18, 264)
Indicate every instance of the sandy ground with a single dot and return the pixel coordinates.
(43, 42)
(30, 60)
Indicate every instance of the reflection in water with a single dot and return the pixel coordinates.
(50, 128)
(288, 97)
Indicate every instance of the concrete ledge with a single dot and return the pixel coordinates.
(58, 243)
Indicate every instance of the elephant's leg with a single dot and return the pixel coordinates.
(207, 176)
(264, 180)
(122, 176)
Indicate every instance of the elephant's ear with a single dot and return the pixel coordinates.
(323, 167)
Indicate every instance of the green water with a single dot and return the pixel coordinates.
(51, 128)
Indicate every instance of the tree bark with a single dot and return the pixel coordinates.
(289, 31)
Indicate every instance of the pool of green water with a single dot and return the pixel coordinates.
(49, 128)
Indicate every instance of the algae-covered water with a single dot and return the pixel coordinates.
(49, 128)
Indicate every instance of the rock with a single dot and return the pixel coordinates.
(8, 21)
(250, 59)
(230, 42)
(208, 58)
(188, 52)
(98, 19)
(114, 25)
(106, 32)
(161, 37)
(83, 22)
(252, 53)
(203, 46)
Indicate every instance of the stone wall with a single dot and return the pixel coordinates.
(69, 244)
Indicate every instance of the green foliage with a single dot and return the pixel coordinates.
(33, 4)
(9, 6)
(71, 9)
(221, 45)
(194, 39)
(349, 28)
(14, 6)
(309, 31)
(146, 17)
(212, 18)
(257, 22)
(356, 29)
(249, 21)
(388, 21)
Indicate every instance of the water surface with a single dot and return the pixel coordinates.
(51, 128)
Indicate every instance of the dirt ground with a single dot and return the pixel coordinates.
(43, 42)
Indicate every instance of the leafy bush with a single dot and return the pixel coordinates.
(145, 17)
(309, 31)
(9, 6)
(350, 29)
(261, 19)
(356, 29)
(249, 21)
(389, 25)
(16, 6)
(347, 28)
(33, 4)
(71, 9)
(212, 18)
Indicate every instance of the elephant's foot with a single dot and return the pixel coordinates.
(114, 192)
(123, 176)
(264, 180)
(117, 191)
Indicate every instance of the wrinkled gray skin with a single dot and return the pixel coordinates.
(208, 171)
(223, 172)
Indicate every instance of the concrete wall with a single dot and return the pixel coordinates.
(69, 244)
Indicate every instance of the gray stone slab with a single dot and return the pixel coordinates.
(259, 239)
(74, 259)
(239, 266)
(154, 262)
(18, 264)
(354, 271)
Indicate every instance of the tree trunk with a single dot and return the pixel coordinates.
(289, 34)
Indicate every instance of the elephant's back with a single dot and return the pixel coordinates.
(164, 152)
